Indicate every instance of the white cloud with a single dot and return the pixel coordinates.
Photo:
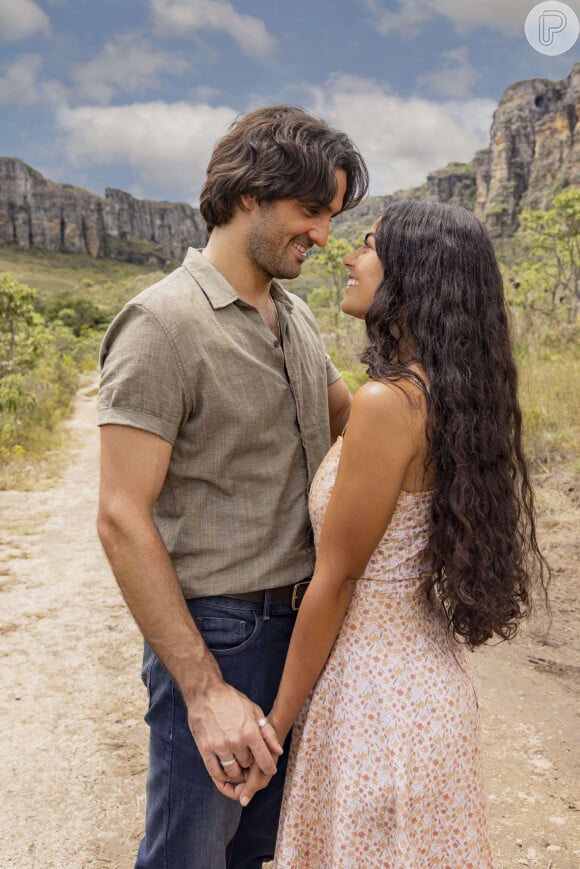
(181, 17)
(21, 19)
(454, 79)
(506, 17)
(401, 139)
(128, 65)
(407, 19)
(167, 145)
(474, 115)
(20, 84)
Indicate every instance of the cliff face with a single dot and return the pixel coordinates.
(36, 212)
(534, 153)
(534, 150)
(454, 183)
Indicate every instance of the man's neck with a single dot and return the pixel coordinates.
(224, 251)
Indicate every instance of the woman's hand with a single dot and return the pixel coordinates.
(254, 779)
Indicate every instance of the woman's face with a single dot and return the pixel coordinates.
(365, 275)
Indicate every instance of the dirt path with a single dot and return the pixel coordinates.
(73, 750)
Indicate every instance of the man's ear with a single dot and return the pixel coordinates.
(247, 202)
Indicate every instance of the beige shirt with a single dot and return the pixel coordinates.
(247, 415)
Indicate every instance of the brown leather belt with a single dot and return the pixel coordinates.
(287, 595)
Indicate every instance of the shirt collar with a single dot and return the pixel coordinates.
(220, 292)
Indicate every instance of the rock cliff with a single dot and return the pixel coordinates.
(534, 153)
(534, 150)
(36, 212)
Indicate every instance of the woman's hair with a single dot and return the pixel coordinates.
(441, 304)
(278, 152)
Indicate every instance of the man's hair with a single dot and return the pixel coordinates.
(280, 152)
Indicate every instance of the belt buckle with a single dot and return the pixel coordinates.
(298, 592)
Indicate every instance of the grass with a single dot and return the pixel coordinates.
(36, 469)
(109, 282)
(550, 399)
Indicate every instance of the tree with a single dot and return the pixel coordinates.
(548, 280)
(344, 336)
(21, 330)
(331, 259)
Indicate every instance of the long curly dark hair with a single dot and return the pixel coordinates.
(441, 305)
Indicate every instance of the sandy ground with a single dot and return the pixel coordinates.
(73, 754)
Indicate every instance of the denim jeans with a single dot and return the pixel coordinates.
(189, 824)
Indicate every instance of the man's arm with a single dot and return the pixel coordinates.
(339, 399)
(223, 721)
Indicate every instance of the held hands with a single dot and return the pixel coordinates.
(254, 778)
(237, 752)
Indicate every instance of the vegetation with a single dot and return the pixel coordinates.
(54, 309)
(543, 289)
(107, 282)
(38, 369)
(547, 280)
(343, 336)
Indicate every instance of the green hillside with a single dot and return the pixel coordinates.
(108, 282)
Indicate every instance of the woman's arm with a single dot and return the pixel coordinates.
(378, 446)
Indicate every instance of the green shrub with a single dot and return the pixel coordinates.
(40, 363)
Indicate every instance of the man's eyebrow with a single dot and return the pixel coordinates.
(322, 205)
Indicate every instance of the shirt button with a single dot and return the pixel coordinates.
(276, 343)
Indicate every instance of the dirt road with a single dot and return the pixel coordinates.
(73, 751)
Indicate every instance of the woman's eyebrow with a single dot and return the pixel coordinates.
(367, 236)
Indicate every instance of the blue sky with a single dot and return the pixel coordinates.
(133, 93)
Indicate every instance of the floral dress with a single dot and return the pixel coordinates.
(385, 766)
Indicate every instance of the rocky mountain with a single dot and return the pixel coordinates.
(534, 153)
(36, 212)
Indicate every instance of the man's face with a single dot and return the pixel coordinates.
(281, 232)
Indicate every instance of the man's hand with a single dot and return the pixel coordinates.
(225, 728)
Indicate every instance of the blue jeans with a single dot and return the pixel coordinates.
(189, 824)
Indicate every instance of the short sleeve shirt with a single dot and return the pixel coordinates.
(247, 416)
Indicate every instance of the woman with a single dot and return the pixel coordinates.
(424, 521)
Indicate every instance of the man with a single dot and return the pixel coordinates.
(215, 407)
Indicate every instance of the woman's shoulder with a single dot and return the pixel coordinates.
(387, 397)
(396, 410)
(388, 420)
